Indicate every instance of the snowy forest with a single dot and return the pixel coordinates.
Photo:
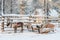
(29, 19)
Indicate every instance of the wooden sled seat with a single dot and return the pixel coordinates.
(47, 28)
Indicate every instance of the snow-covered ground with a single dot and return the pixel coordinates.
(29, 35)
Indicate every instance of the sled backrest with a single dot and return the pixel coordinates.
(49, 25)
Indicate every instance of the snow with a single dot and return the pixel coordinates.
(9, 34)
(14, 15)
(53, 13)
(40, 11)
(28, 35)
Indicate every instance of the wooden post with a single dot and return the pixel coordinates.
(2, 24)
